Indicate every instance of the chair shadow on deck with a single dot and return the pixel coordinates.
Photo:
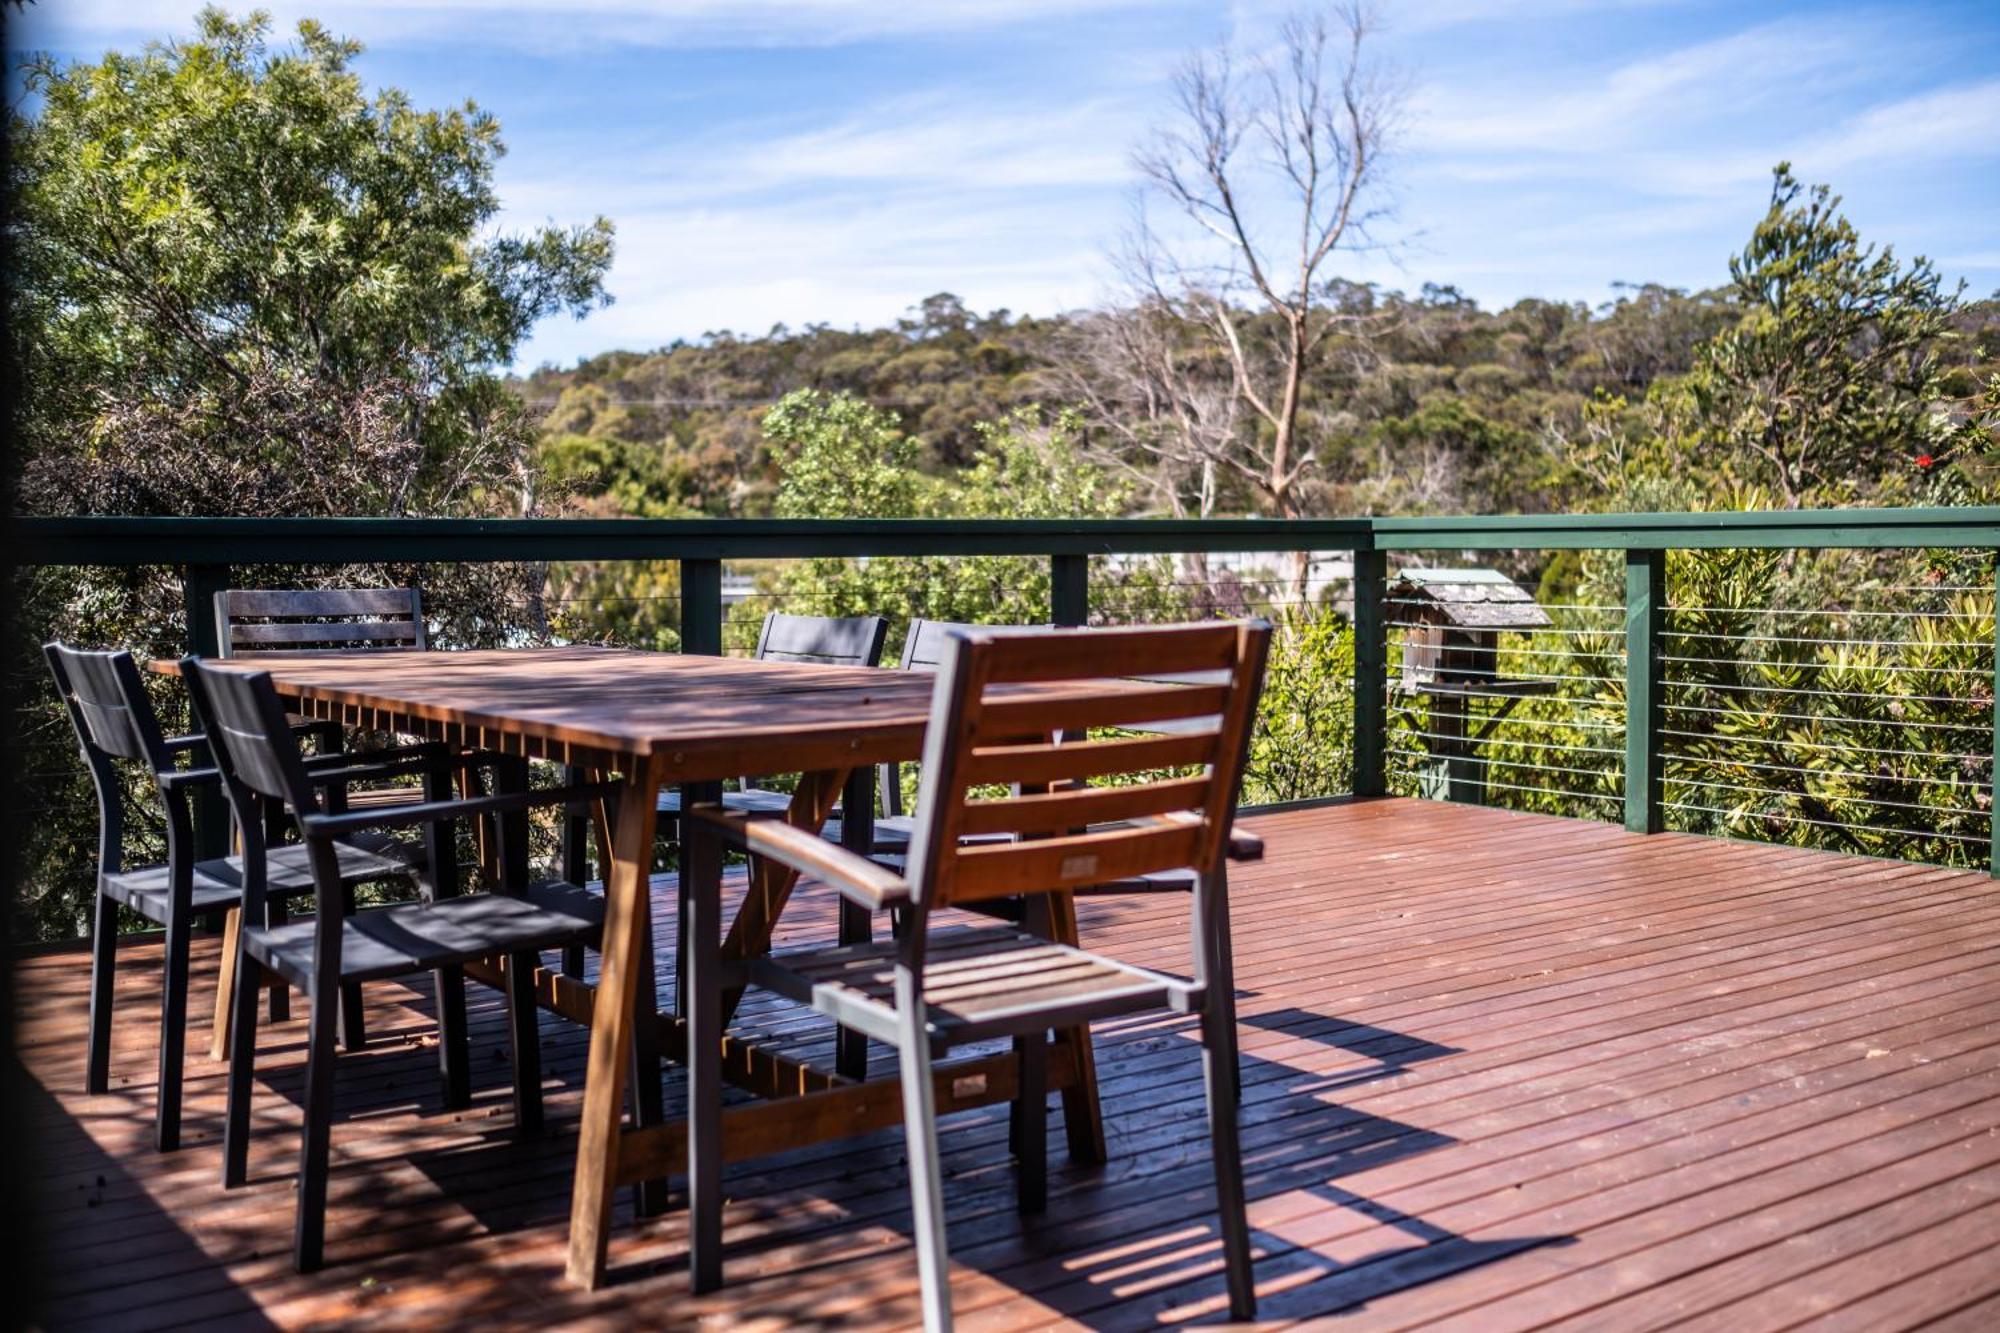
(150, 1241)
(1086, 1259)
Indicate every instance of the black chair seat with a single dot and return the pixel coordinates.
(218, 883)
(416, 937)
(752, 800)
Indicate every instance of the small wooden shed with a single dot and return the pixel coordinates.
(1452, 620)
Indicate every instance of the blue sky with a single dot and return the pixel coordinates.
(834, 161)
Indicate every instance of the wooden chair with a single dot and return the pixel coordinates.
(924, 648)
(324, 620)
(115, 724)
(925, 993)
(264, 773)
(268, 620)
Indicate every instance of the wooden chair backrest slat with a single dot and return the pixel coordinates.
(1151, 706)
(1177, 821)
(1040, 764)
(1037, 813)
(835, 640)
(318, 619)
(1002, 870)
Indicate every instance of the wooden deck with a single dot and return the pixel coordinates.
(1501, 1071)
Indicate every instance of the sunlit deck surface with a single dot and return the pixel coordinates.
(1501, 1071)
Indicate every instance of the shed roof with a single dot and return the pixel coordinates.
(1469, 598)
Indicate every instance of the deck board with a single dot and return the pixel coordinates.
(1500, 1072)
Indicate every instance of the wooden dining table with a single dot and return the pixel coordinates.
(659, 720)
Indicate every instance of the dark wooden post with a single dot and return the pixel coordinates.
(1645, 621)
(1993, 783)
(199, 584)
(1069, 590)
(701, 607)
(1371, 670)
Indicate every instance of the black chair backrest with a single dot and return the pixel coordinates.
(925, 644)
(282, 620)
(246, 724)
(107, 704)
(836, 640)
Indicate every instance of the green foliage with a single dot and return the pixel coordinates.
(1303, 745)
(843, 459)
(244, 287)
(1819, 387)
(213, 227)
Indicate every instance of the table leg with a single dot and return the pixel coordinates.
(1083, 1113)
(771, 884)
(857, 925)
(621, 986)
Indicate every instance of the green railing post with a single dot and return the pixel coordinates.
(1371, 670)
(1645, 621)
(701, 607)
(1069, 590)
(199, 584)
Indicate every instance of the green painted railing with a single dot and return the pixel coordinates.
(206, 549)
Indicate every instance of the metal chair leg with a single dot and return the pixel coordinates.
(353, 1025)
(1032, 1149)
(701, 863)
(454, 1048)
(103, 976)
(1219, 1073)
(275, 915)
(926, 1175)
(242, 1069)
(525, 1029)
(309, 1229)
(173, 1036)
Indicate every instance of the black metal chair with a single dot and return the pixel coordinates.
(836, 641)
(115, 723)
(925, 993)
(265, 775)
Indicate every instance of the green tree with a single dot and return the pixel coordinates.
(213, 232)
(244, 286)
(1821, 385)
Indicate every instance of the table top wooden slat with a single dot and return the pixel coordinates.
(701, 717)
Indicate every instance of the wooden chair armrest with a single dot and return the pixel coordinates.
(855, 878)
(432, 812)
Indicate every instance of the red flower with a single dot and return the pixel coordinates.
(1925, 460)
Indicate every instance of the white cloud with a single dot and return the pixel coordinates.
(566, 27)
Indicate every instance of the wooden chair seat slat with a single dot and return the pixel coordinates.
(977, 982)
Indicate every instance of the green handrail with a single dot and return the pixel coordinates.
(206, 548)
